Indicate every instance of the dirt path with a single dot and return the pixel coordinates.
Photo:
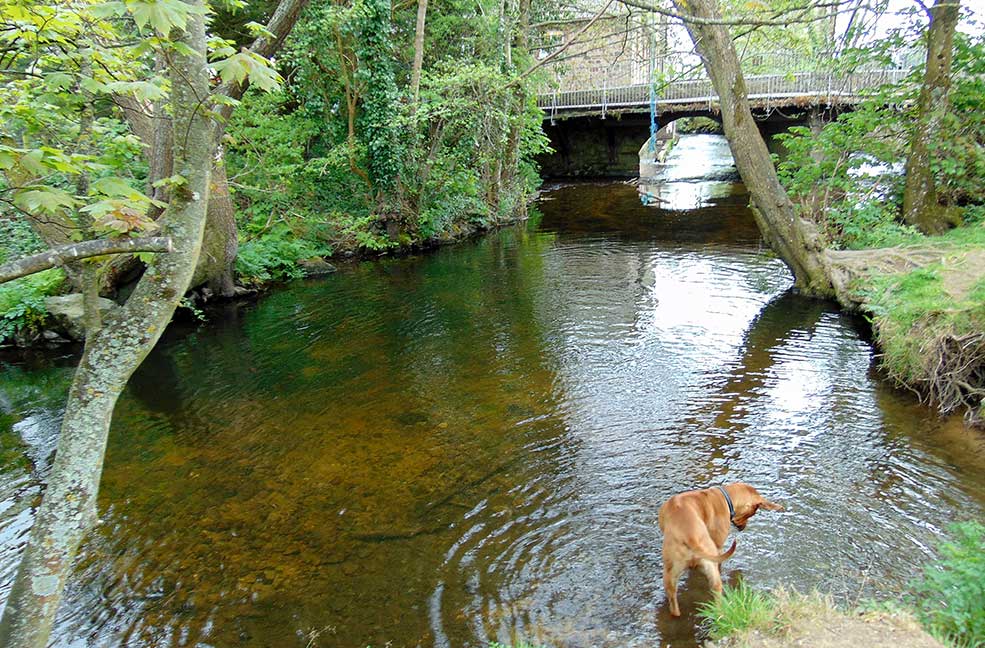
(832, 629)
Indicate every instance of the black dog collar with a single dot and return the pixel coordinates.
(731, 509)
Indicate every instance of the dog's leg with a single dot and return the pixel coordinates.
(672, 572)
(712, 572)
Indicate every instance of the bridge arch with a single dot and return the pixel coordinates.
(591, 146)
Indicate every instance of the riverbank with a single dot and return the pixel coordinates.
(30, 318)
(815, 622)
(944, 605)
(926, 301)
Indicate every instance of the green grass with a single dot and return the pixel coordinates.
(948, 600)
(738, 610)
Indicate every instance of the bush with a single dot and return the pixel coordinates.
(22, 308)
(275, 255)
(950, 598)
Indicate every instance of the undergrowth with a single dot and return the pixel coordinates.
(22, 308)
(950, 597)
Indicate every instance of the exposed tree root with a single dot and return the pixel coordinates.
(953, 373)
(947, 364)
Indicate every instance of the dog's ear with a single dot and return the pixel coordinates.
(770, 506)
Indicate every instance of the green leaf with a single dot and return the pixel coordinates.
(32, 162)
(256, 30)
(233, 69)
(47, 199)
(143, 90)
(58, 81)
(162, 15)
(114, 186)
(93, 86)
(109, 9)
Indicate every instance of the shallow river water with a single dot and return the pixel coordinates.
(472, 444)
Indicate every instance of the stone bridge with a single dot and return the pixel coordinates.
(598, 131)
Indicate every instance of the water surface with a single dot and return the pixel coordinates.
(472, 444)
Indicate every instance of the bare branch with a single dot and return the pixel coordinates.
(541, 63)
(63, 254)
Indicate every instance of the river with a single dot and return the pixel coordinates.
(472, 444)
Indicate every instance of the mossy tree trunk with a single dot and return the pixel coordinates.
(216, 263)
(111, 355)
(920, 202)
(795, 240)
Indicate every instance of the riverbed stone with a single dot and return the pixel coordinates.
(68, 314)
(316, 266)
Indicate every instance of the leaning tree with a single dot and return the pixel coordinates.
(68, 64)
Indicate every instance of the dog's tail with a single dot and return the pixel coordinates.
(713, 557)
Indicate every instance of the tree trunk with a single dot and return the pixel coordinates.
(153, 126)
(216, 263)
(920, 206)
(796, 241)
(516, 108)
(415, 75)
(111, 355)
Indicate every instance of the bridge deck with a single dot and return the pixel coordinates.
(821, 87)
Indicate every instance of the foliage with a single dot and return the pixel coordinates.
(848, 177)
(737, 610)
(22, 308)
(372, 32)
(343, 160)
(950, 597)
(275, 256)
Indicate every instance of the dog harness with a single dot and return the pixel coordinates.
(731, 509)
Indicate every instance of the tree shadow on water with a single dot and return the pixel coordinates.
(731, 397)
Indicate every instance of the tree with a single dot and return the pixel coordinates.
(55, 44)
(149, 121)
(796, 241)
(920, 197)
(415, 75)
(114, 350)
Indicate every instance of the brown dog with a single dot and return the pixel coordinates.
(695, 525)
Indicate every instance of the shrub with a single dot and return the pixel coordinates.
(950, 598)
(22, 308)
(275, 255)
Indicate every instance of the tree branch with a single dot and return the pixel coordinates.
(280, 25)
(63, 254)
(541, 63)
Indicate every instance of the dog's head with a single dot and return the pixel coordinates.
(747, 501)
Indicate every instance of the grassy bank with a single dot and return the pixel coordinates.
(945, 606)
(926, 299)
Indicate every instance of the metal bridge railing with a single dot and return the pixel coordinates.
(771, 86)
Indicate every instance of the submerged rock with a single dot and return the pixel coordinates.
(68, 314)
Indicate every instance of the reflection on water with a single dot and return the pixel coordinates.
(473, 444)
(698, 171)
